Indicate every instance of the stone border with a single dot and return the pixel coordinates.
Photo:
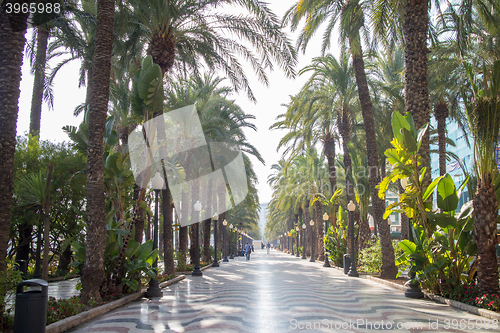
(456, 304)
(73, 321)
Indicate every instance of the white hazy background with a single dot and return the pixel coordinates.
(67, 96)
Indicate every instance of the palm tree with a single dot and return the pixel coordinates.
(483, 115)
(93, 270)
(12, 40)
(350, 14)
(416, 32)
(35, 192)
(186, 34)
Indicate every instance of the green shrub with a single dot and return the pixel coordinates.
(63, 308)
(370, 258)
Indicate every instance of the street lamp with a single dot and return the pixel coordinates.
(224, 223)
(304, 241)
(297, 241)
(351, 207)
(326, 218)
(414, 290)
(154, 286)
(216, 262)
(231, 242)
(292, 241)
(311, 223)
(197, 270)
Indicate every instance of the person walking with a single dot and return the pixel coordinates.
(268, 246)
(248, 249)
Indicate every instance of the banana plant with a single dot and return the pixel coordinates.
(441, 260)
(405, 160)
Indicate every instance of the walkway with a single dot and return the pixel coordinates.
(280, 293)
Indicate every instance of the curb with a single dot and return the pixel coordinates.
(73, 321)
(456, 304)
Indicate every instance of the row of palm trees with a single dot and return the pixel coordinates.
(350, 102)
(183, 37)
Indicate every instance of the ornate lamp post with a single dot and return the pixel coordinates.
(297, 241)
(154, 288)
(351, 207)
(304, 241)
(413, 290)
(291, 241)
(224, 224)
(231, 241)
(197, 271)
(311, 223)
(216, 262)
(326, 218)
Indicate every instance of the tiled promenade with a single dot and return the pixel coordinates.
(280, 293)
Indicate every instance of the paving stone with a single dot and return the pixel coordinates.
(279, 293)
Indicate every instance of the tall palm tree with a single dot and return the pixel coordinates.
(351, 15)
(93, 270)
(483, 115)
(12, 41)
(338, 91)
(186, 34)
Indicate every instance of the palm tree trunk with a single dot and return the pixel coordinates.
(39, 80)
(168, 234)
(139, 224)
(46, 228)
(12, 42)
(441, 113)
(307, 218)
(389, 269)
(320, 231)
(88, 96)
(183, 232)
(344, 130)
(416, 26)
(93, 270)
(329, 148)
(183, 243)
(207, 223)
(485, 225)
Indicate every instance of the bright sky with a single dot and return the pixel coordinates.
(269, 100)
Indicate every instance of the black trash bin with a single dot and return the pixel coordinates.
(31, 306)
(347, 263)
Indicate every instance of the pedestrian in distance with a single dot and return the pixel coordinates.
(248, 249)
(268, 247)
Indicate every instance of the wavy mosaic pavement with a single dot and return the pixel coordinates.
(279, 293)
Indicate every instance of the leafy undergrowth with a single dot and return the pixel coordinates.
(469, 294)
(188, 268)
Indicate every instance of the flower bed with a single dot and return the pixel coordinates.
(469, 294)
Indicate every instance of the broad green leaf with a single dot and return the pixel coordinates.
(422, 174)
(430, 188)
(407, 246)
(420, 135)
(410, 121)
(383, 186)
(399, 122)
(445, 221)
(409, 140)
(447, 198)
(392, 156)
